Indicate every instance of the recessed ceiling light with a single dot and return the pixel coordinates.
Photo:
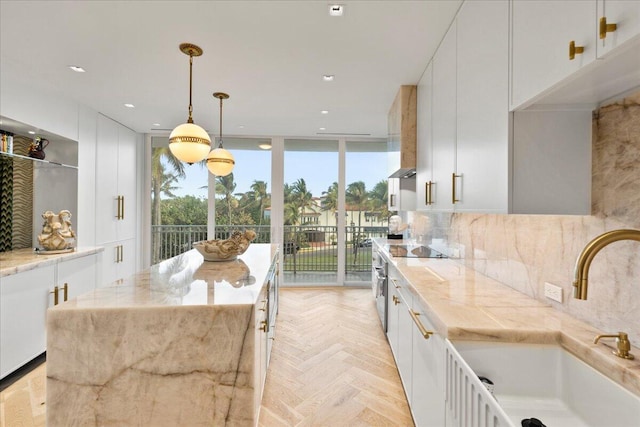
(31, 132)
(156, 124)
(265, 146)
(129, 105)
(328, 77)
(323, 128)
(240, 126)
(77, 69)
(336, 10)
(324, 112)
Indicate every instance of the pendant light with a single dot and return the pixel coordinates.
(188, 142)
(220, 162)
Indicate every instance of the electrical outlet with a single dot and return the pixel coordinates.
(552, 291)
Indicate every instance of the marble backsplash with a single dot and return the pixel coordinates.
(525, 251)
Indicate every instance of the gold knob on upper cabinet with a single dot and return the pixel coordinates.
(263, 326)
(574, 50)
(606, 28)
(396, 300)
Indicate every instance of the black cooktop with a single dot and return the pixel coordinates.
(413, 251)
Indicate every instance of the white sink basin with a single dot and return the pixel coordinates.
(548, 383)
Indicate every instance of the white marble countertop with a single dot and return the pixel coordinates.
(464, 305)
(186, 280)
(14, 262)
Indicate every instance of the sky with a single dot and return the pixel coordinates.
(318, 169)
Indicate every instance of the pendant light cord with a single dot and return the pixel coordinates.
(190, 119)
(220, 142)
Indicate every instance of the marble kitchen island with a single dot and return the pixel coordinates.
(185, 342)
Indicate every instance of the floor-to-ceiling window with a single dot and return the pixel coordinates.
(365, 205)
(329, 201)
(310, 233)
(181, 203)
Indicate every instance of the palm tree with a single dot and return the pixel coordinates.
(357, 196)
(301, 197)
(330, 200)
(159, 157)
(378, 198)
(225, 186)
(260, 196)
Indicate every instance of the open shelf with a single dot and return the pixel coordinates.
(2, 153)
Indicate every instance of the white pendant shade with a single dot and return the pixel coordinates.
(220, 162)
(189, 143)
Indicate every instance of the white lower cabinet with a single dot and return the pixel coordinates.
(24, 299)
(428, 392)
(79, 275)
(420, 359)
(118, 262)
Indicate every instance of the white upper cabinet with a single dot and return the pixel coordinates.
(541, 33)
(625, 14)
(424, 166)
(443, 122)
(482, 136)
(541, 69)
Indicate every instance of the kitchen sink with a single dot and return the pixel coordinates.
(538, 381)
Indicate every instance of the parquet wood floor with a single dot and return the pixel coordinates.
(330, 366)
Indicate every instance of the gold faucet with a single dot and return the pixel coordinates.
(622, 343)
(583, 262)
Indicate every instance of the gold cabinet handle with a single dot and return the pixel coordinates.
(55, 295)
(264, 305)
(606, 28)
(425, 333)
(454, 199)
(122, 207)
(121, 253)
(263, 326)
(396, 300)
(392, 200)
(65, 289)
(428, 194)
(395, 283)
(118, 208)
(574, 50)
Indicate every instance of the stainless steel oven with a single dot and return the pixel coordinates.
(379, 270)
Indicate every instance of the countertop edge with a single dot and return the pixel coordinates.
(578, 341)
(33, 260)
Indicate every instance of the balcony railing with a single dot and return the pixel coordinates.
(306, 248)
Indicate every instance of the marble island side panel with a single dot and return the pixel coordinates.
(172, 345)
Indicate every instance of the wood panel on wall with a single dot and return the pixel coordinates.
(616, 156)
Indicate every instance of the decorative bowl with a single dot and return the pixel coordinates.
(225, 250)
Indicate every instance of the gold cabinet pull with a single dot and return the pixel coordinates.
(65, 289)
(425, 333)
(118, 208)
(122, 207)
(574, 50)
(264, 305)
(392, 200)
(428, 194)
(55, 295)
(121, 253)
(263, 326)
(396, 300)
(395, 283)
(454, 199)
(606, 28)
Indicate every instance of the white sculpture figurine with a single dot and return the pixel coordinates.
(395, 225)
(57, 233)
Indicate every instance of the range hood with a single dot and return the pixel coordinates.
(401, 141)
(404, 173)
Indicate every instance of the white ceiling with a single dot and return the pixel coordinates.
(269, 56)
